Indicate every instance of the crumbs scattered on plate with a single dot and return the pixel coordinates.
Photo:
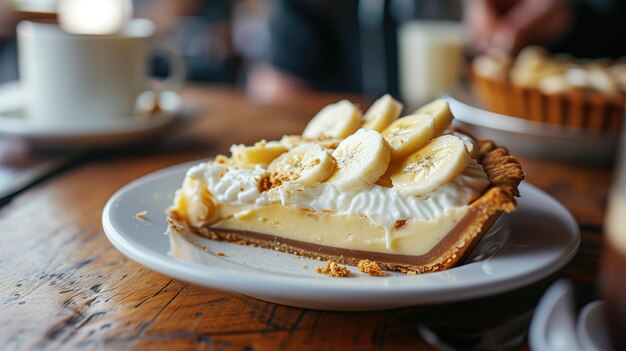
(371, 268)
(333, 269)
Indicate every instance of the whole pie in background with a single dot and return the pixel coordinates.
(555, 89)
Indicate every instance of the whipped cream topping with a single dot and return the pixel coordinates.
(383, 206)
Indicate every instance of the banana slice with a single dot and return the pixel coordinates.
(437, 163)
(261, 153)
(408, 134)
(291, 141)
(361, 159)
(304, 164)
(336, 120)
(186, 203)
(382, 113)
(440, 110)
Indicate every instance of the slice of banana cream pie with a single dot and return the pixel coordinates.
(411, 194)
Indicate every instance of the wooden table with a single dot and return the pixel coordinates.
(63, 286)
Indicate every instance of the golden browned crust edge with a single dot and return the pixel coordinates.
(504, 172)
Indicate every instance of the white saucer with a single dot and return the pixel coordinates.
(531, 137)
(89, 134)
(554, 325)
(543, 237)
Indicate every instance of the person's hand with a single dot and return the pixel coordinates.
(510, 25)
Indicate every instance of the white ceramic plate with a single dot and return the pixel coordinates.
(90, 134)
(532, 137)
(542, 237)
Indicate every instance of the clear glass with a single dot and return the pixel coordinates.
(430, 48)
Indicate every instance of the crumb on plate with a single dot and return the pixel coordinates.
(141, 215)
(333, 269)
(371, 268)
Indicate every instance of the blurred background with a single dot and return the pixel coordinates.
(275, 48)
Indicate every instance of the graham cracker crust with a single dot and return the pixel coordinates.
(504, 172)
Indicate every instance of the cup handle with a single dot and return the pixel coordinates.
(178, 71)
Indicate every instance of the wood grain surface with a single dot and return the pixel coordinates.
(63, 286)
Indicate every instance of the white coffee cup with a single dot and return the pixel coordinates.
(430, 59)
(77, 78)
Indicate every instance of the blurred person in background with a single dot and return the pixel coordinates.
(586, 29)
(200, 32)
(329, 45)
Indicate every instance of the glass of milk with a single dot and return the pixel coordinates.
(430, 55)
